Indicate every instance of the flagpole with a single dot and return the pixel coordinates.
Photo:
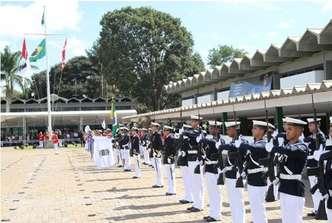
(49, 117)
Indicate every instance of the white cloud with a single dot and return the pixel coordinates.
(76, 47)
(25, 17)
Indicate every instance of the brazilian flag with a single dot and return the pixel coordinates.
(39, 52)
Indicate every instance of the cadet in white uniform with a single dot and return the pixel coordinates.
(210, 161)
(195, 135)
(292, 157)
(316, 143)
(156, 148)
(232, 164)
(256, 171)
(169, 153)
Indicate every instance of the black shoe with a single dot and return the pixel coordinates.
(311, 214)
(157, 186)
(134, 177)
(189, 209)
(210, 219)
(170, 194)
(127, 170)
(206, 217)
(184, 201)
(193, 209)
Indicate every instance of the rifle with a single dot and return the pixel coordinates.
(238, 163)
(269, 162)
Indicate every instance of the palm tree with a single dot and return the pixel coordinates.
(9, 68)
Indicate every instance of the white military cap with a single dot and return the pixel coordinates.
(232, 124)
(134, 128)
(214, 123)
(195, 117)
(260, 123)
(124, 128)
(143, 129)
(271, 126)
(185, 126)
(167, 127)
(294, 121)
(311, 120)
(155, 124)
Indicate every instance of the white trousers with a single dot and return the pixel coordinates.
(188, 195)
(213, 195)
(196, 181)
(236, 202)
(157, 171)
(56, 148)
(291, 208)
(315, 197)
(257, 200)
(41, 144)
(170, 174)
(137, 166)
(126, 158)
(146, 155)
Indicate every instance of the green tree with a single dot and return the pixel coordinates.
(15, 85)
(142, 49)
(223, 54)
(79, 77)
(9, 71)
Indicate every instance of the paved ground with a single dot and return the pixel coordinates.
(39, 186)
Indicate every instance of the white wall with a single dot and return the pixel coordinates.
(204, 98)
(188, 102)
(223, 95)
(315, 76)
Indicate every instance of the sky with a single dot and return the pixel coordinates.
(246, 24)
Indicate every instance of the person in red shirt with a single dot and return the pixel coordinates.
(55, 141)
(45, 138)
(40, 138)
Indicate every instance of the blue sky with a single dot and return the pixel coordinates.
(247, 24)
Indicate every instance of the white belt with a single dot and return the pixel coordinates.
(257, 170)
(290, 177)
(211, 162)
(227, 168)
(192, 151)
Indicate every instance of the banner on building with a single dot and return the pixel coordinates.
(245, 87)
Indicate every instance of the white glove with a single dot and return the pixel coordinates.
(183, 154)
(199, 138)
(228, 140)
(237, 143)
(181, 130)
(317, 154)
(281, 141)
(168, 160)
(274, 134)
(269, 146)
